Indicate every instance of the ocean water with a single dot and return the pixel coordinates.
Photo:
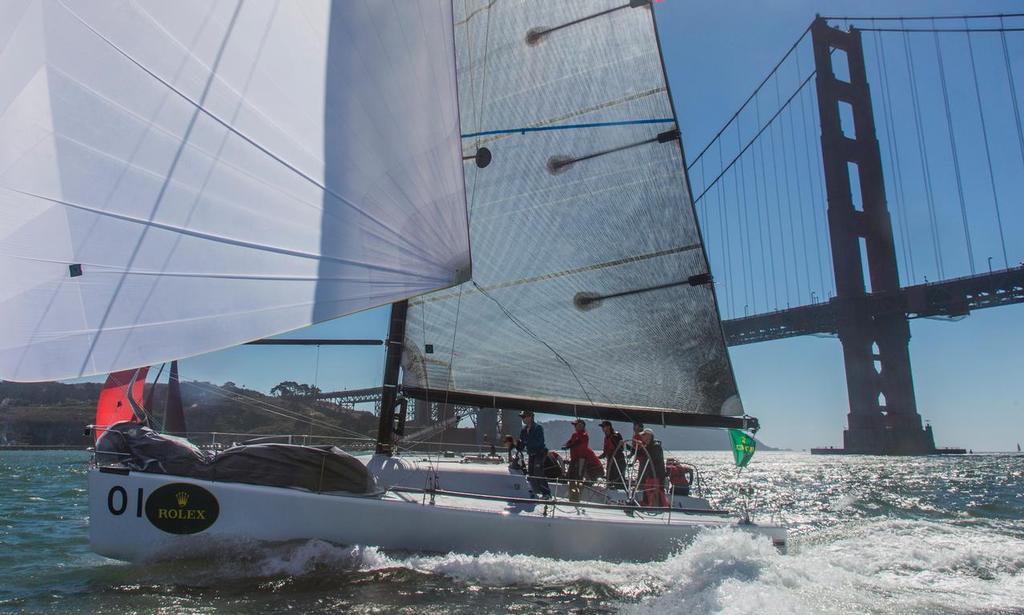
(868, 535)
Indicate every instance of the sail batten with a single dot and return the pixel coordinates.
(177, 178)
(591, 291)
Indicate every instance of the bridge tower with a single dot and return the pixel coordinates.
(883, 416)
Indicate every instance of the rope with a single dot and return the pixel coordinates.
(758, 133)
(808, 145)
(789, 205)
(744, 220)
(953, 150)
(525, 329)
(778, 212)
(767, 219)
(988, 150)
(799, 203)
(269, 408)
(723, 223)
(894, 156)
(1013, 94)
(923, 154)
(820, 182)
(758, 185)
(751, 97)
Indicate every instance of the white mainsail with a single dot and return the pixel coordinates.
(180, 177)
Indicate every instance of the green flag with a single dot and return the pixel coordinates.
(742, 447)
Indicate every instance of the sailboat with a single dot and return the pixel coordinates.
(178, 179)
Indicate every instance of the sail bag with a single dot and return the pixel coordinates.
(181, 177)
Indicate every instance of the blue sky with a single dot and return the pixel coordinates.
(965, 372)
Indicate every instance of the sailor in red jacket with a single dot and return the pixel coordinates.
(583, 463)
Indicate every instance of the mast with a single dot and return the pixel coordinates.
(389, 391)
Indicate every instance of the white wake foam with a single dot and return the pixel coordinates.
(878, 566)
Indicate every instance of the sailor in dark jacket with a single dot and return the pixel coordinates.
(531, 438)
(614, 454)
(652, 470)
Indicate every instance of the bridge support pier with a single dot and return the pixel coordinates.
(883, 418)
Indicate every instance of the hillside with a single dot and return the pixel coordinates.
(53, 413)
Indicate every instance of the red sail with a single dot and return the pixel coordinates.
(174, 415)
(113, 406)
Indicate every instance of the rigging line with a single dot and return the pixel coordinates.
(703, 206)
(759, 188)
(811, 196)
(212, 237)
(758, 133)
(526, 129)
(988, 150)
(767, 217)
(751, 97)
(1013, 96)
(203, 110)
(819, 163)
(894, 155)
(746, 235)
(778, 214)
(152, 392)
(927, 18)
(739, 222)
(263, 406)
(723, 228)
(936, 30)
(789, 210)
(923, 154)
(953, 150)
(799, 201)
(536, 337)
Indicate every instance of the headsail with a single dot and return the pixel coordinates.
(180, 177)
(113, 405)
(591, 290)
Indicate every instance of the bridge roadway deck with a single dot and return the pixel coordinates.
(953, 297)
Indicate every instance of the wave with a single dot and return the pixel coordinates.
(876, 566)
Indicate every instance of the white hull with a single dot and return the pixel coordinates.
(124, 511)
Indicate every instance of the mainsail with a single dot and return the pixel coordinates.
(180, 177)
(591, 293)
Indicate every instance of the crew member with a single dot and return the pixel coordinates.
(552, 465)
(652, 470)
(583, 463)
(636, 442)
(680, 475)
(515, 457)
(532, 439)
(614, 455)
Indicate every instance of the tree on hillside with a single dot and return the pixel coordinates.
(290, 388)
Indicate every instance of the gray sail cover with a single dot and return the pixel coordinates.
(545, 233)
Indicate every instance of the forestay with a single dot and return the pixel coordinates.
(586, 196)
(180, 177)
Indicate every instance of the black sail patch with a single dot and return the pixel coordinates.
(181, 508)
